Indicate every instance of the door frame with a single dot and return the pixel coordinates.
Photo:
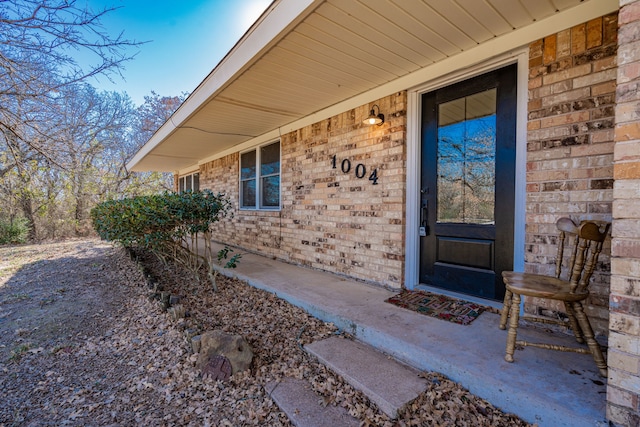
(414, 153)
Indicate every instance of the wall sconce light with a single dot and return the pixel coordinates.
(374, 119)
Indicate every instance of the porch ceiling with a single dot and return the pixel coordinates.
(303, 56)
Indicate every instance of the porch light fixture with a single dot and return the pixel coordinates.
(374, 119)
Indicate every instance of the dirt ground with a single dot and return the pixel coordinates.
(82, 343)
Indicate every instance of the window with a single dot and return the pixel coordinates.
(189, 182)
(260, 177)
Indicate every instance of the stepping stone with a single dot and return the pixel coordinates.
(302, 405)
(385, 381)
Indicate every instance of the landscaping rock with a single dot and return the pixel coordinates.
(164, 298)
(195, 344)
(218, 343)
(176, 312)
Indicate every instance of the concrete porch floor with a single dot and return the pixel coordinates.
(549, 388)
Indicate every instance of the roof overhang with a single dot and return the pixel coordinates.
(306, 60)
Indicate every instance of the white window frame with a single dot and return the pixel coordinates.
(191, 180)
(258, 177)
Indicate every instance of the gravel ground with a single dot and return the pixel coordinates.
(82, 343)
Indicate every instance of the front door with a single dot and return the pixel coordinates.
(468, 184)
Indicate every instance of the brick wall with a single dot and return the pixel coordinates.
(572, 83)
(623, 392)
(330, 220)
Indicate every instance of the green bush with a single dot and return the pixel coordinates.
(168, 224)
(149, 221)
(13, 232)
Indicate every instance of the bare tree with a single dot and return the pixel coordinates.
(63, 145)
(39, 43)
(152, 114)
(92, 129)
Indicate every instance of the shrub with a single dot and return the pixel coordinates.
(13, 231)
(169, 225)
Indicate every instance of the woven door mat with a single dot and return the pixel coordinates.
(438, 306)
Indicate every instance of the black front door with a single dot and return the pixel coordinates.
(468, 184)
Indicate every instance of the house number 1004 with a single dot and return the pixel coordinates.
(360, 170)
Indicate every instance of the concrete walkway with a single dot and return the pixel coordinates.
(545, 387)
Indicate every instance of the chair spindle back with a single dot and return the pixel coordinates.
(586, 242)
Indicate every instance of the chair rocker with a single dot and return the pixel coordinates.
(585, 241)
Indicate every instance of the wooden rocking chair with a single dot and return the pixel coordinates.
(586, 241)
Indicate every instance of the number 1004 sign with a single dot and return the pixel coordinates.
(360, 170)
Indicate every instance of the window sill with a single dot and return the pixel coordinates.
(260, 210)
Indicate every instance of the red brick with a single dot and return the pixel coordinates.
(629, 72)
(537, 71)
(628, 131)
(535, 82)
(547, 176)
(535, 62)
(629, 13)
(602, 136)
(578, 39)
(628, 53)
(592, 149)
(627, 112)
(535, 49)
(564, 119)
(571, 73)
(618, 396)
(628, 34)
(595, 78)
(625, 248)
(564, 43)
(562, 86)
(628, 91)
(621, 416)
(626, 170)
(549, 49)
(607, 87)
(627, 151)
(610, 27)
(533, 124)
(605, 63)
(570, 96)
(594, 33)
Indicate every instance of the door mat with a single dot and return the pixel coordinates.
(439, 306)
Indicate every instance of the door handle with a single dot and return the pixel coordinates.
(424, 218)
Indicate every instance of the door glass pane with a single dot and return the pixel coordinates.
(466, 159)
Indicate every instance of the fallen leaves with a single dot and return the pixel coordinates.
(125, 361)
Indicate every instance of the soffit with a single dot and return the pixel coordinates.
(341, 48)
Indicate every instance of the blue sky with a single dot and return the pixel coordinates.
(186, 38)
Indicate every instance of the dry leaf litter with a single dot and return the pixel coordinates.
(82, 343)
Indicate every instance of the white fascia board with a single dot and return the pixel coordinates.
(266, 32)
